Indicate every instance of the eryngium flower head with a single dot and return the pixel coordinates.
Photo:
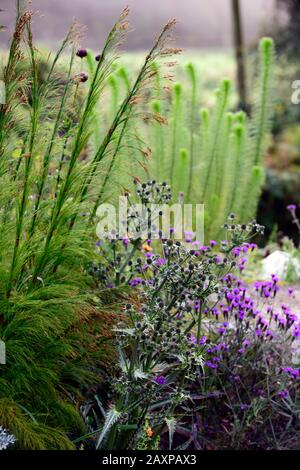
(6, 439)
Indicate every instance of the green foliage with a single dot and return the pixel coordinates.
(56, 166)
(213, 156)
(50, 353)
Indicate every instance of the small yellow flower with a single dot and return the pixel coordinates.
(149, 432)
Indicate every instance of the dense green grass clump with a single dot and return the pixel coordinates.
(56, 166)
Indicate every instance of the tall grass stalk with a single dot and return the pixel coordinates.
(29, 161)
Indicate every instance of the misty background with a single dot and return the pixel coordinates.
(201, 23)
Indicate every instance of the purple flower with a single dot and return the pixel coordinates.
(257, 391)
(81, 53)
(211, 365)
(296, 332)
(244, 407)
(290, 291)
(160, 380)
(216, 359)
(125, 242)
(257, 285)
(292, 208)
(136, 281)
(202, 340)
(236, 378)
(221, 330)
(283, 393)
(192, 339)
(236, 251)
(293, 373)
(160, 262)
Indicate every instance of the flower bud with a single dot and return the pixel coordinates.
(81, 53)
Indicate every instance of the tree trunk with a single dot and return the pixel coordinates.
(239, 53)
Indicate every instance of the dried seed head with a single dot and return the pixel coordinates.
(171, 51)
(81, 77)
(170, 25)
(159, 118)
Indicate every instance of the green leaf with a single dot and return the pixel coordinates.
(171, 423)
(99, 403)
(111, 418)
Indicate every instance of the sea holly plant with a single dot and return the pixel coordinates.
(191, 332)
(147, 222)
(141, 222)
